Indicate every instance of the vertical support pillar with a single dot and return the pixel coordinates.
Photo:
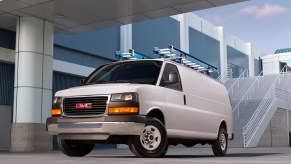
(184, 33)
(125, 37)
(125, 45)
(251, 60)
(223, 53)
(33, 84)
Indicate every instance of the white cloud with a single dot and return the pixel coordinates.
(259, 12)
(218, 19)
(264, 11)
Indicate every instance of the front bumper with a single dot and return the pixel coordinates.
(95, 128)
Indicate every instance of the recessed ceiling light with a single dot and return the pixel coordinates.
(59, 15)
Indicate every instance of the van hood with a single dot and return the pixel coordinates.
(99, 89)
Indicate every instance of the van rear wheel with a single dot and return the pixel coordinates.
(219, 146)
(152, 143)
(74, 148)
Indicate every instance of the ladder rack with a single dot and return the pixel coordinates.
(131, 55)
(184, 58)
(173, 54)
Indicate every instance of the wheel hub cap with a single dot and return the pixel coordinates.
(222, 141)
(151, 138)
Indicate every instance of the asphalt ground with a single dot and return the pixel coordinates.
(174, 155)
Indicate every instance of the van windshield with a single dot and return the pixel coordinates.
(142, 72)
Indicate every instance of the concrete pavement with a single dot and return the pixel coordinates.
(174, 155)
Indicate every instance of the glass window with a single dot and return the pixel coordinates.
(143, 72)
(236, 71)
(171, 78)
(285, 65)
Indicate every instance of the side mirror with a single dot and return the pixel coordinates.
(173, 78)
(82, 82)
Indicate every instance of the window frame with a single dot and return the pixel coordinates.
(162, 75)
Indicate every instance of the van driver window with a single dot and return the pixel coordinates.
(171, 78)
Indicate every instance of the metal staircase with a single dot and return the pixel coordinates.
(258, 122)
(255, 103)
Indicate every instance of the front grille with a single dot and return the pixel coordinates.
(70, 105)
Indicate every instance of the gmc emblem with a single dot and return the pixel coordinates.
(83, 105)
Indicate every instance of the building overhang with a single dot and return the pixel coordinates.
(74, 16)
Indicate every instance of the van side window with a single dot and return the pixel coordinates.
(171, 78)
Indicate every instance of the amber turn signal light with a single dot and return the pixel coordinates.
(123, 110)
(56, 112)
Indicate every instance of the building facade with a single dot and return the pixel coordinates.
(278, 62)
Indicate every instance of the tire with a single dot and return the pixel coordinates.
(74, 148)
(152, 143)
(132, 149)
(219, 146)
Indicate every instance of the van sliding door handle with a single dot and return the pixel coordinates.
(184, 99)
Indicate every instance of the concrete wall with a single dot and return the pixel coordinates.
(5, 128)
(289, 125)
(276, 133)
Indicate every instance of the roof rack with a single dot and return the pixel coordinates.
(131, 55)
(173, 54)
(179, 56)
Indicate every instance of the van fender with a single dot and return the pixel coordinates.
(230, 136)
(152, 108)
(156, 108)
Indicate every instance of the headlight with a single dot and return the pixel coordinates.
(57, 100)
(123, 103)
(57, 106)
(124, 97)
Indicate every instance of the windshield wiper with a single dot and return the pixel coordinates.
(124, 81)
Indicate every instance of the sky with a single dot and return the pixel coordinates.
(264, 23)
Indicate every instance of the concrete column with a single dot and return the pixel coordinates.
(184, 33)
(33, 84)
(251, 59)
(223, 53)
(125, 37)
(125, 45)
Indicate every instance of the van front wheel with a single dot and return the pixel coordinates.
(74, 148)
(153, 142)
(219, 146)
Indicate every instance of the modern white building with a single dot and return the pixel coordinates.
(273, 64)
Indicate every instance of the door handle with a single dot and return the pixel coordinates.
(184, 99)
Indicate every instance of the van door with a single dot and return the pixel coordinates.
(174, 99)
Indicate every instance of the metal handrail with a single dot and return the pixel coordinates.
(251, 88)
(283, 92)
(250, 128)
(242, 75)
(223, 79)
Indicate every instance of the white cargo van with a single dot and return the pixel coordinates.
(147, 104)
